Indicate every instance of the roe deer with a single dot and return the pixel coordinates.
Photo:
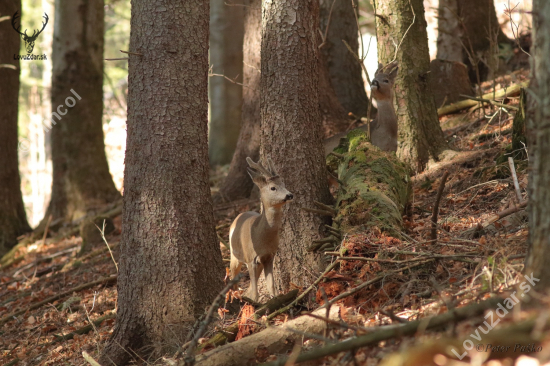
(254, 237)
(383, 129)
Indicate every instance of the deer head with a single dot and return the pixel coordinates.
(272, 188)
(382, 84)
(29, 40)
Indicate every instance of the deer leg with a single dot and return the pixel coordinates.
(268, 271)
(235, 268)
(254, 269)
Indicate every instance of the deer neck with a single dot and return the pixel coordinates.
(386, 118)
(270, 221)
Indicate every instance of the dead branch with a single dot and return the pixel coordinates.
(490, 101)
(505, 213)
(84, 330)
(463, 104)
(433, 235)
(90, 359)
(101, 281)
(282, 310)
(275, 339)
(328, 208)
(515, 178)
(394, 331)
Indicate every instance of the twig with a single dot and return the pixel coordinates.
(435, 213)
(303, 294)
(84, 330)
(490, 101)
(505, 213)
(60, 295)
(392, 331)
(370, 282)
(46, 230)
(324, 37)
(339, 156)
(131, 53)
(102, 231)
(393, 317)
(328, 208)
(340, 324)
(190, 349)
(515, 178)
(404, 35)
(90, 359)
(117, 59)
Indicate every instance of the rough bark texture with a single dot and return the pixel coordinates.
(13, 220)
(420, 135)
(81, 178)
(539, 150)
(226, 58)
(238, 184)
(466, 28)
(291, 129)
(170, 265)
(343, 68)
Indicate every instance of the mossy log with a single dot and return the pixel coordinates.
(375, 186)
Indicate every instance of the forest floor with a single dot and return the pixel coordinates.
(49, 298)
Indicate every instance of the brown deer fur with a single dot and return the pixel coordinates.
(254, 237)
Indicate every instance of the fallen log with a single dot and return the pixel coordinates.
(467, 103)
(257, 347)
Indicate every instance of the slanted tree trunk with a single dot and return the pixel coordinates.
(226, 58)
(170, 265)
(344, 70)
(469, 32)
(420, 135)
(539, 150)
(81, 178)
(238, 184)
(13, 220)
(291, 129)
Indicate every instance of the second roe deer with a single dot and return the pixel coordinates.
(383, 129)
(254, 237)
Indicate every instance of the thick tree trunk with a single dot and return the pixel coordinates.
(344, 70)
(420, 135)
(469, 32)
(170, 263)
(81, 178)
(539, 150)
(226, 58)
(13, 220)
(291, 129)
(238, 184)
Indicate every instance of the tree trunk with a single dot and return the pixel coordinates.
(420, 135)
(81, 178)
(344, 70)
(469, 32)
(291, 129)
(170, 262)
(13, 220)
(539, 149)
(238, 184)
(226, 58)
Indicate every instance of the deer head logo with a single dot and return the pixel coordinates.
(29, 40)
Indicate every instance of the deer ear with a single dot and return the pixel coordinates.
(379, 70)
(257, 178)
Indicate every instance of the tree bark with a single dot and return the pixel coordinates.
(13, 219)
(469, 32)
(170, 265)
(291, 129)
(238, 184)
(420, 135)
(81, 178)
(344, 70)
(226, 58)
(539, 148)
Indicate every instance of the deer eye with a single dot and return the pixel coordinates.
(386, 81)
(273, 188)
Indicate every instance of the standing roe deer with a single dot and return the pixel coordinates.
(383, 129)
(254, 237)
